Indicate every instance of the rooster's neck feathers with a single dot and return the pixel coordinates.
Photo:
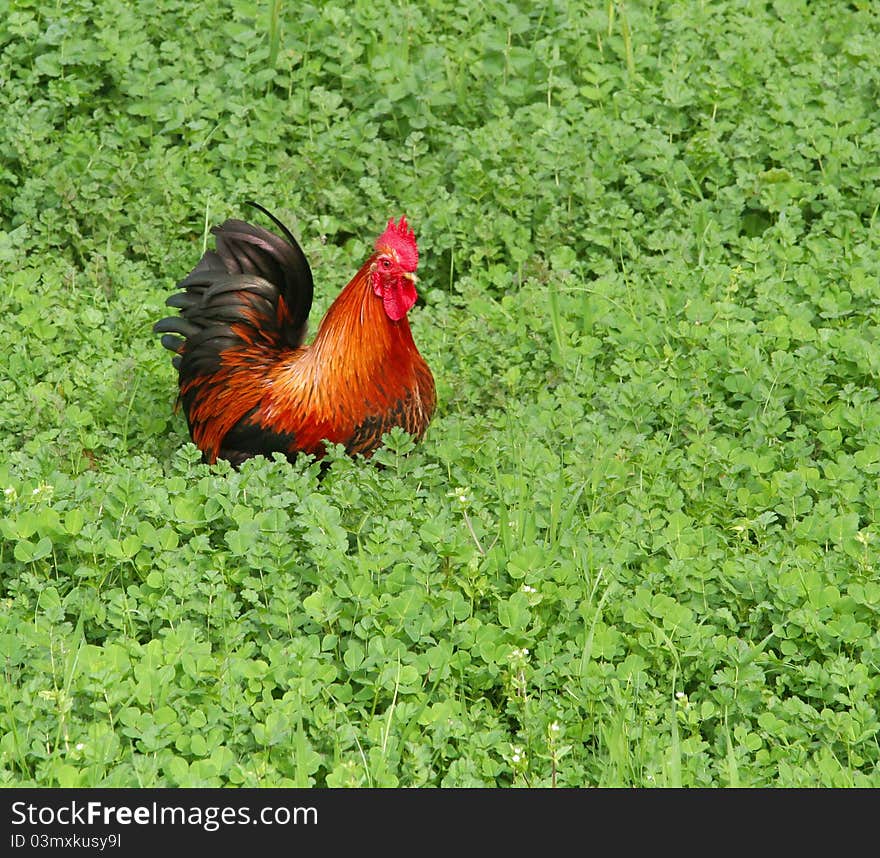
(358, 356)
(357, 320)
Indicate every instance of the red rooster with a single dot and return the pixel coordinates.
(248, 384)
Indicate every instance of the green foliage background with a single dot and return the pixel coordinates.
(638, 546)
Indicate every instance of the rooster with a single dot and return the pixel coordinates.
(247, 382)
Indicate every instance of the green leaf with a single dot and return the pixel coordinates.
(354, 656)
(514, 612)
(843, 528)
(74, 520)
(29, 552)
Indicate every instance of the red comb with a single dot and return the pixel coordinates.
(402, 240)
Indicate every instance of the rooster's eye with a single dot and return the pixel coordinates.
(386, 264)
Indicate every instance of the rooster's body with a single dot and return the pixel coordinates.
(248, 385)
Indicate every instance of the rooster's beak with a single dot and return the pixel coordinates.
(410, 275)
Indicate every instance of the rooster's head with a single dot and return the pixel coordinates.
(393, 268)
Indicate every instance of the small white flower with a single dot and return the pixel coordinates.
(80, 746)
(527, 589)
(554, 727)
(680, 695)
(515, 758)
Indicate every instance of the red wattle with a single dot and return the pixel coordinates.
(397, 302)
